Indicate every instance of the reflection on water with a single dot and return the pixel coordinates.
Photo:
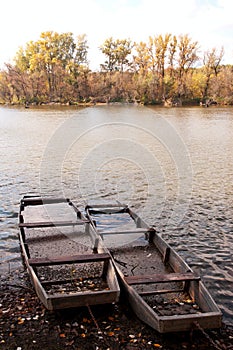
(174, 166)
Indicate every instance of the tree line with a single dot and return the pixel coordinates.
(167, 69)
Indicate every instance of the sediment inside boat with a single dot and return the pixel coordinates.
(55, 242)
(139, 260)
(72, 279)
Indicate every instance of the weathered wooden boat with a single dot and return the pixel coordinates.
(161, 288)
(67, 265)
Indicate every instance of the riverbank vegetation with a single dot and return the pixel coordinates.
(166, 70)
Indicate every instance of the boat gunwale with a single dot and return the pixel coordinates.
(148, 315)
(49, 300)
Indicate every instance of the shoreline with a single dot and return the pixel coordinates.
(25, 324)
(165, 104)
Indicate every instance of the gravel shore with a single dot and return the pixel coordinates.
(25, 324)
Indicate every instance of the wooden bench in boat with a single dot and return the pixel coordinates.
(105, 206)
(52, 224)
(126, 232)
(84, 258)
(160, 278)
(40, 201)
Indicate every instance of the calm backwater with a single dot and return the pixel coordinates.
(174, 166)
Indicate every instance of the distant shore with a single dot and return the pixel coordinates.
(166, 104)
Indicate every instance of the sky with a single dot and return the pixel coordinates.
(210, 22)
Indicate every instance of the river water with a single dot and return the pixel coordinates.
(173, 166)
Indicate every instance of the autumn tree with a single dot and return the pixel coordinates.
(117, 53)
(18, 82)
(78, 69)
(172, 49)
(108, 49)
(161, 53)
(223, 85)
(55, 68)
(150, 61)
(57, 59)
(186, 58)
(79, 57)
(6, 90)
(52, 52)
(140, 68)
(211, 67)
(141, 58)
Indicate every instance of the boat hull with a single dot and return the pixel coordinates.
(165, 267)
(37, 255)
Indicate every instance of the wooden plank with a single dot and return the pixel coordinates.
(177, 323)
(52, 224)
(55, 282)
(22, 232)
(63, 301)
(204, 299)
(175, 260)
(40, 291)
(21, 218)
(126, 232)
(166, 255)
(41, 200)
(66, 281)
(150, 234)
(84, 258)
(108, 211)
(159, 278)
(161, 291)
(77, 211)
(106, 206)
(27, 249)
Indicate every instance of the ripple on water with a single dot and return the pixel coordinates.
(206, 244)
(204, 235)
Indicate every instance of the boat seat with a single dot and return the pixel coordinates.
(160, 278)
(52, 224)
(40, 201)
(126, 232)
(72, 259)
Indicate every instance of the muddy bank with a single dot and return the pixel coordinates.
(25, 324)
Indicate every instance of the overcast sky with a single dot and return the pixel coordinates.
(210, 22)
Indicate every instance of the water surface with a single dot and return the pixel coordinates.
(173, 166)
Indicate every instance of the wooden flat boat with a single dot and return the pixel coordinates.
(161, 288)
(67, 266)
